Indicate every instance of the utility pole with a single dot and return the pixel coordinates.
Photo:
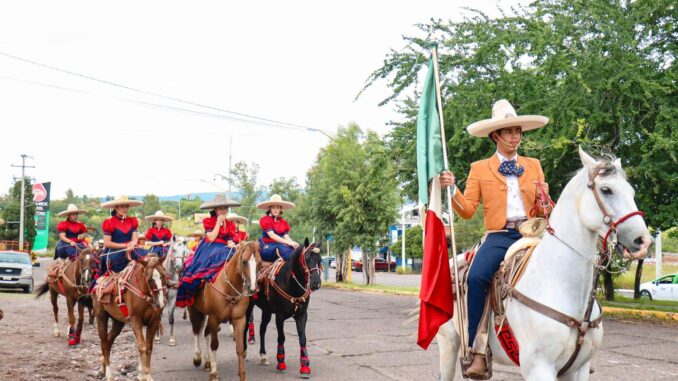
(230, 156)
(23, 194)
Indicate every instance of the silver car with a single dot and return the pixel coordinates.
(16, 270)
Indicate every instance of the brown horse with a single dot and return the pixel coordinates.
(226, 298)
(71, 281)
(145, 284)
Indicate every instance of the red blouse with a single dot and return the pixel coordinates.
(120, 229)
(275, 225)
(72, 229)
(240, 236)
(226, 231)
(158, 234)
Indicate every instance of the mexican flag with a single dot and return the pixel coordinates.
(436, 288)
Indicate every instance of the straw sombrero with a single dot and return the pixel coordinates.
(275, 200)
(121, 200)
(197, 233)
(219, 200)
(504, 115)
(70, 210)
(159, 215)
(236, 218)
(142, 236)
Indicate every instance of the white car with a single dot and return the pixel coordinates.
(664, 288)
(16, 270)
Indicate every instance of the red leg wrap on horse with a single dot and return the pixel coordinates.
(280, 357)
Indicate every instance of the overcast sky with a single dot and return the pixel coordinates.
(300, 62)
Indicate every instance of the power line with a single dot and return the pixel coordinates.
(141, 91)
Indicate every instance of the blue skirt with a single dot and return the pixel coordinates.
(160, 251)
(208, 259)
(66, 251)
(268, 250)
(117, 261)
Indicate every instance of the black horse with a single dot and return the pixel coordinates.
(289, 296)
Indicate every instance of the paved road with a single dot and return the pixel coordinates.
(360, 336)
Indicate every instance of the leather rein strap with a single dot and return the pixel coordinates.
(296, 300)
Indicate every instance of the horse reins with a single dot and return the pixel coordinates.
(582, 326)
(239, 294)
(296, 301)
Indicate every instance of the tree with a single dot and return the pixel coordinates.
(603, 71)
(244, 178)
(151, 204)
(352, 193)
(12, 212)
(414, 246)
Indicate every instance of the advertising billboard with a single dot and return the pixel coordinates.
(41, 199)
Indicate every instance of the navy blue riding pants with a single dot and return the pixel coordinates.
(486, 263)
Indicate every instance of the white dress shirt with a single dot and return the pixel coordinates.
(514, 201)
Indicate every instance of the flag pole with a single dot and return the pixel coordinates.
(460, 306)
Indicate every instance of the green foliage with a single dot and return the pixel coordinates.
(151, 205)
(352, 191)
(11, 212)
(469, 232)
(414, 246)
(244, 177)
(603, 71)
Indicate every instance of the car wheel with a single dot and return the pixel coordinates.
(29, 289)
(645, 294)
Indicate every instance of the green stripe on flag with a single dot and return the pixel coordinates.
(429, 140)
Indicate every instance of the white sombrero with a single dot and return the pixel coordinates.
(159, 215)
(197, 233)
(70, 210)
(219, 200)
(504, 115)
(275, 200)
(121, 200)
(235, 217)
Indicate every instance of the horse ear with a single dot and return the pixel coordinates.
(306, 243)
(586, 159)
(617, 163)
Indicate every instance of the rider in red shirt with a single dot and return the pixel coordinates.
(71, 233)
(158, 235)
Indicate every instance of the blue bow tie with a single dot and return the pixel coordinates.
(511, 167)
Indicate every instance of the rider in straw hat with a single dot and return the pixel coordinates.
(215, 249)
(505, 184)
(240, 227)
(71, 233)
(120, 235)
(275, 230)
(158, 235)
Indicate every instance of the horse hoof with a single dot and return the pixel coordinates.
(208, 366)
(263, 360)
(197, 361)
(305, 372)
(101, 373)
(281, 367)
(172, 342)
(156, 339)
(214, 377)
(56, 333)
(251, 341)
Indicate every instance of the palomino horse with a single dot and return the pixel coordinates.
(288, 295)
(145, 296)
(174, 266)
(73, 283)
(598, 201)
(226, 298)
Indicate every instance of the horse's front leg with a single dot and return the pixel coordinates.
(102, 328)
(138, 326)
(448, 346)
(280, 354)
(213, 327)
(54, 296)
(305, 363)
(170, 314)
(81, 320)
(265, 319)
(239, 327)
(150, 334)
(72, 336)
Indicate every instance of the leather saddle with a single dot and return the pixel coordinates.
(111, 286)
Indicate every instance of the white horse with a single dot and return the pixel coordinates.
(560, 276)
(174, 265)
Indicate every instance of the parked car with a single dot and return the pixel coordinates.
(664, 288)
(16, 270)
(333, 262)
(379, 265)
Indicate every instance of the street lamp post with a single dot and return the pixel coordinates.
(23, 195)
(402, 226)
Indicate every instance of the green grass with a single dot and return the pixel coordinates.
(374, 287)
(621, 301)
(627, 279)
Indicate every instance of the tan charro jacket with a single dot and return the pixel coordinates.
(485, 184)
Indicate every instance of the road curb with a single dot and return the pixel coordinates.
(613, 312)
(644, 315)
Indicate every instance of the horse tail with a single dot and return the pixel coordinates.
(86, 300)
(42, 290)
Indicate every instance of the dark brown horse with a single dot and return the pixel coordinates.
(145, 295)
(71, 281)
(226, 299)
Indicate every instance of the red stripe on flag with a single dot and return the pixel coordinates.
(436, 288)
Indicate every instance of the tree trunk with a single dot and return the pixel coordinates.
(366, 268)
(636, 284)
(608, 285)
(339, 274)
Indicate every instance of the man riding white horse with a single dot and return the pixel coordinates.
(506, 185)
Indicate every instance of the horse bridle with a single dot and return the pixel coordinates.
(608, 219)
(298, 300)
